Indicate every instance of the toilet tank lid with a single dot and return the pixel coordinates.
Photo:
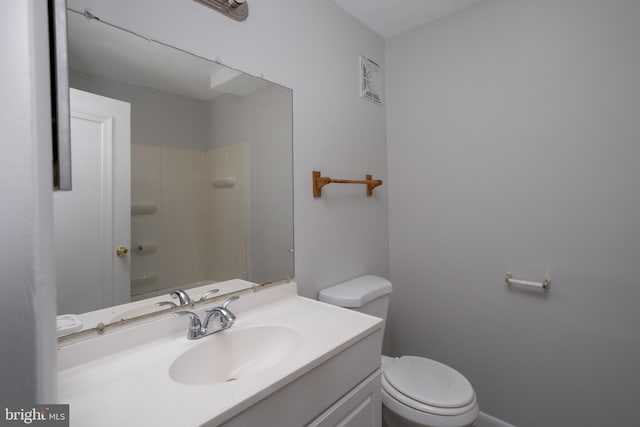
(356, 292)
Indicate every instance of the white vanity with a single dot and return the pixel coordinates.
(287, 361)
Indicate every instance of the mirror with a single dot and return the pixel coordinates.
(182, 175)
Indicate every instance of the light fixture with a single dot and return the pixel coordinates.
(234, 9)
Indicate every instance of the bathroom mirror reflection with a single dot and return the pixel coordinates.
(182, 173)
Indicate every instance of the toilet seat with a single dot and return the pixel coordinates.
(428, 386)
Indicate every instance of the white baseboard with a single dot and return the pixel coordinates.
(485, 420)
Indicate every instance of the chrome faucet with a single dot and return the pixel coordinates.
(182, 296)
(223, 317)
(183, 299)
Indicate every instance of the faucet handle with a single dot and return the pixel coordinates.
(208, 294)
(182, 296)
(225, 316)
(229, 317)
(195, 325)
(229, 301)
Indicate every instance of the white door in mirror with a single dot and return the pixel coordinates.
(93, 219)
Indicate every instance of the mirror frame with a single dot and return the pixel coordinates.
(60, 120)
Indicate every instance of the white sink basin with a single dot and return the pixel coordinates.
(234, 354)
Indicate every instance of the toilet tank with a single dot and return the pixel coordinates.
(366, 294)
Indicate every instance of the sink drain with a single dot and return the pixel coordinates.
(230, 379)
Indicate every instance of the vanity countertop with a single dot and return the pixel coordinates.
(132, 385)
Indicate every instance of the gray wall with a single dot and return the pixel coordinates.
(28, 300)
(513, 145)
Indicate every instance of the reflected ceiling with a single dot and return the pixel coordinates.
(151, 65)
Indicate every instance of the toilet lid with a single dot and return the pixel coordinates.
(428, 385)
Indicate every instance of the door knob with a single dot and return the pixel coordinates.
(122, 251)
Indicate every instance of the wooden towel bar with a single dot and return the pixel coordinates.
(320, 181)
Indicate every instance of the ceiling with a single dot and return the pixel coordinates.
(389, 18)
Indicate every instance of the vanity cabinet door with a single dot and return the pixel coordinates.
(339, 392)
(361, 407)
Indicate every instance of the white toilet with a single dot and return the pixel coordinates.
(415, 391)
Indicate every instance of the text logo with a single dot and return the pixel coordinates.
(36, 415)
